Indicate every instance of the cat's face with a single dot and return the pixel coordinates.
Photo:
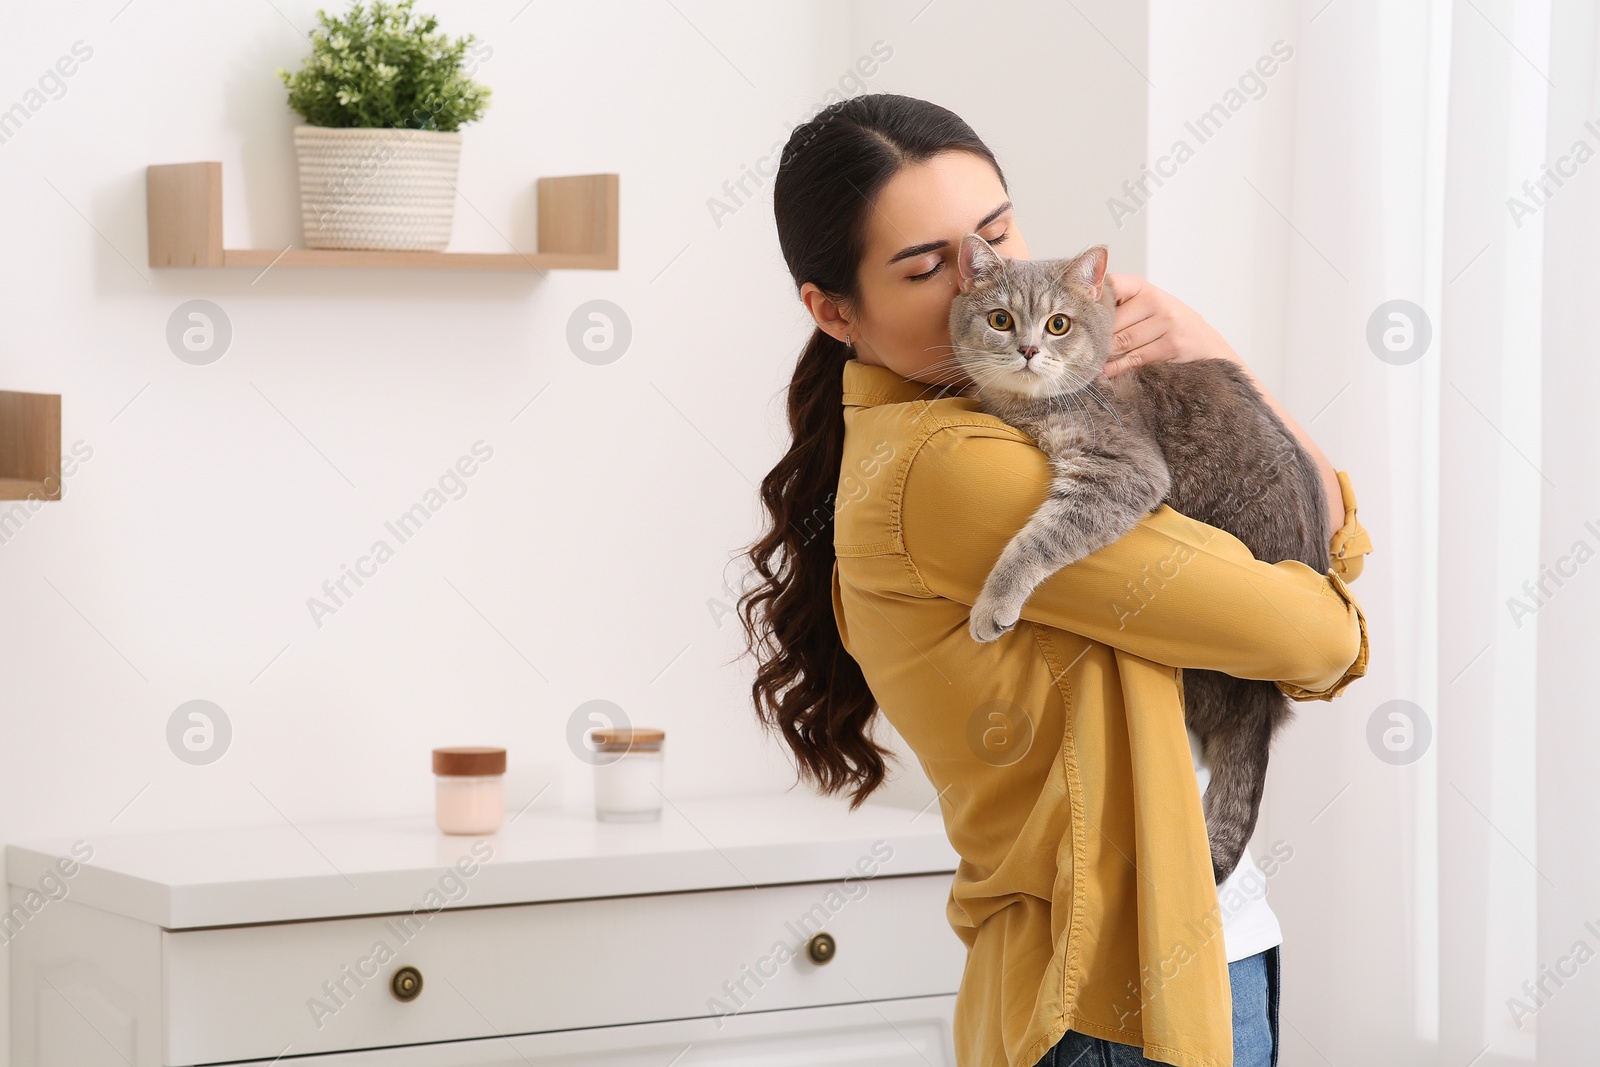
(1030, 328)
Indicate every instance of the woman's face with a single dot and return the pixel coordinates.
(908, 274)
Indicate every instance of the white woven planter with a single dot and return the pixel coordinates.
(377, 188)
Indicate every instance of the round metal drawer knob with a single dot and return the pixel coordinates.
(821, 947)
(406, 983)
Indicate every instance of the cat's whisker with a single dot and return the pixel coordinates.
(959, 360)
(936, 385)
(1086, 385)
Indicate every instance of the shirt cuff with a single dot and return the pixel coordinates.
(1357, 669)
(1351, 542)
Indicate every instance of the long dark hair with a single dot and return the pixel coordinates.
(807, 687)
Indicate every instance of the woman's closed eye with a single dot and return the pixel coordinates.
(939, 266)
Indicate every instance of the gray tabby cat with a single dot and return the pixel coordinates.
(1034, 337)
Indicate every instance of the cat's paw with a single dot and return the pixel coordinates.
(992, 617)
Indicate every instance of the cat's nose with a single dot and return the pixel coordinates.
(1028, 351)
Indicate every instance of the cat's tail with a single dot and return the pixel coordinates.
(1241, 715)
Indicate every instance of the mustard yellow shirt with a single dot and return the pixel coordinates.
(1084, 891)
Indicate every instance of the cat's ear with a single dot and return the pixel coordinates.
(1088, 269)
(976, 262)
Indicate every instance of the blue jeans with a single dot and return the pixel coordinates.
(1255, 981)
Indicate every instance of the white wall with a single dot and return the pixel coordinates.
(218, 499)
(1215, 241)
(1057, 91)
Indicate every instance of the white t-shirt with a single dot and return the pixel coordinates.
(1248, 923)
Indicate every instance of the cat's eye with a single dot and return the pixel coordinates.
(1058, 324)
(1000, 319)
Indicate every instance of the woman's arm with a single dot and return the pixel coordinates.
(1153, 325)
(1172, 590)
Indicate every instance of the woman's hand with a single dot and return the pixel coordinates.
(1151, 325)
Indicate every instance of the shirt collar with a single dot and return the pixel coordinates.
(867, 385)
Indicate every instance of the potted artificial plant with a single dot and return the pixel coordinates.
(384, 97)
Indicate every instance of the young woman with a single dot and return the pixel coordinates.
(1066, 777)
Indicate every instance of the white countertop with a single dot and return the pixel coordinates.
(274, 873)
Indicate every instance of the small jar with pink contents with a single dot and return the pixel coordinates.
(469, 789)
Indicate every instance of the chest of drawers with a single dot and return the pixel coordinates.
(756, 930)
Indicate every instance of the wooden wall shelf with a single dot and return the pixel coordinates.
(30, 446)
(577, 229)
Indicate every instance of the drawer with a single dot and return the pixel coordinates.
(888, 1033)
(248, 992)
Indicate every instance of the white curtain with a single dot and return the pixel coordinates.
(1563, 640)
(1442, 902)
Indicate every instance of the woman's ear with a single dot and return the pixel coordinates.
(829, 314)
(976, 262)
